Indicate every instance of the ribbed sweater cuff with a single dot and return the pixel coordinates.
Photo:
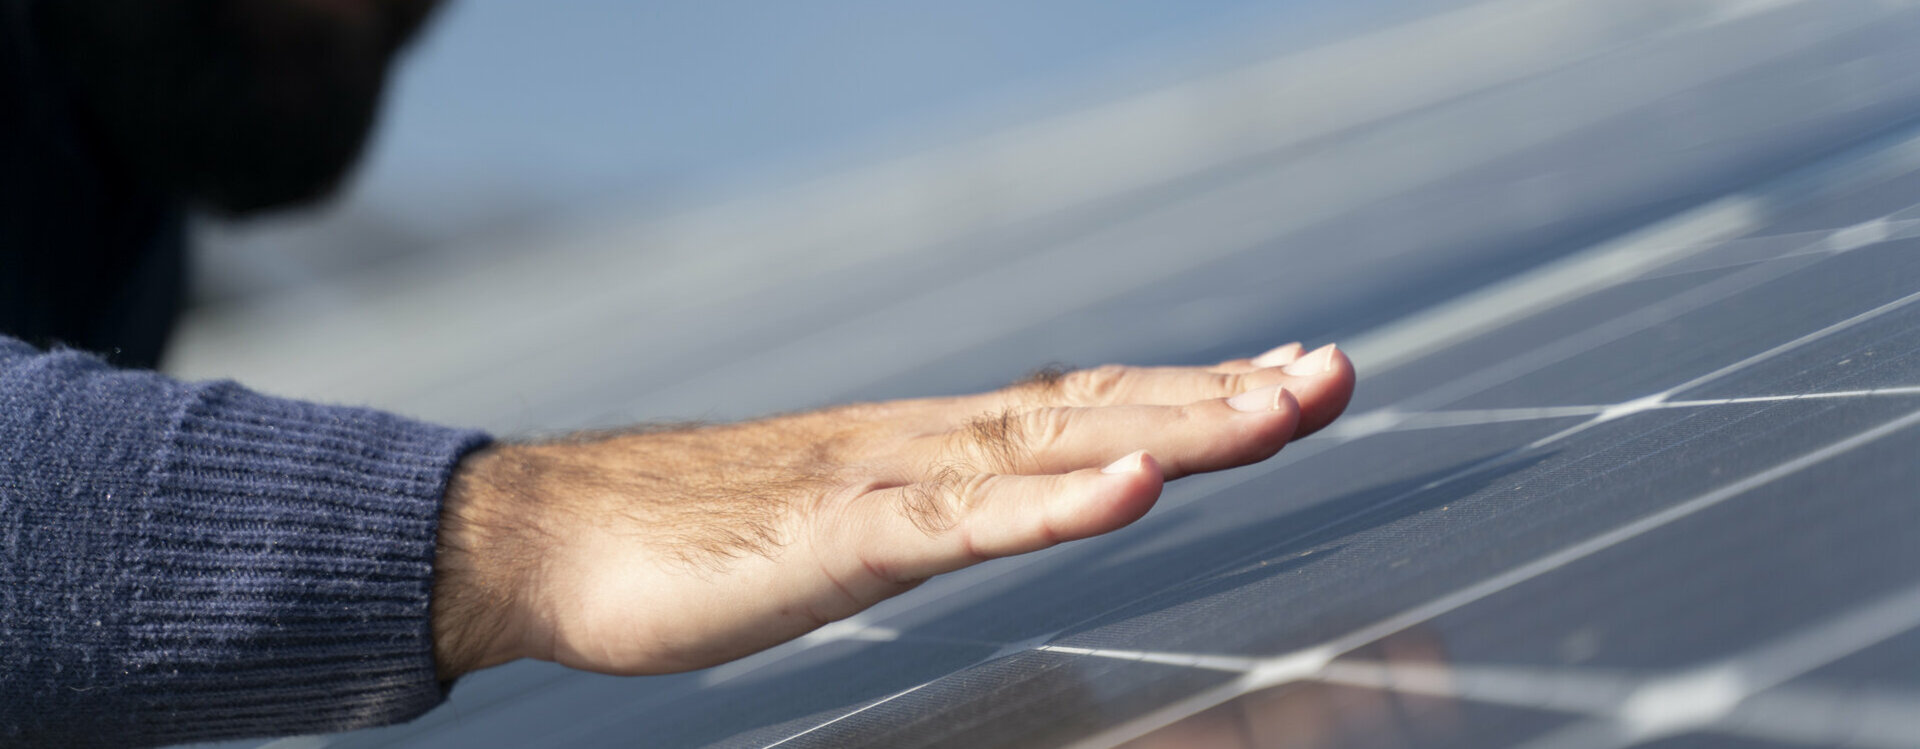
(296, 543)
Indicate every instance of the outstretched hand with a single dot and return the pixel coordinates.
(670, 549)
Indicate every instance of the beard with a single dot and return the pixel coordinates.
(239, 106)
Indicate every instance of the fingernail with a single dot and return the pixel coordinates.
(1319, 361)
(1279, 355)
(1258, 401)
(1129, 464)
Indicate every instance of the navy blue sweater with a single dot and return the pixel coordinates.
(193, 561)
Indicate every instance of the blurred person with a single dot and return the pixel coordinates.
(193, 561)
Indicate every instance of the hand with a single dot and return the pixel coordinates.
(669, 549)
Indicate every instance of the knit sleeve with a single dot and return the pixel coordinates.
(196, 561)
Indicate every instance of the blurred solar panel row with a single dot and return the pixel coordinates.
(1634, 291)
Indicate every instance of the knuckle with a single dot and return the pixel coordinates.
(968, 492)
(1046, 428)
(1100, 384)
(1229, 383)
(934, 505)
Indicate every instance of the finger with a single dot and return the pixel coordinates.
(1206, 436)
(1278, 356)
(1159, 386)
(934, 527)
(1322, 380)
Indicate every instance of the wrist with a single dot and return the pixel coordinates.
(475, 593)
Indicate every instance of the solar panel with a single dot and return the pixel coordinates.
(1636, 469)
(1697, 501)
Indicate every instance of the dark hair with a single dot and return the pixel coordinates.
(236, 105)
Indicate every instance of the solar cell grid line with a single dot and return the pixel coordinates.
(1653, 401)
(1828, 717)
(1390, 418)
(1469, 417)
(864, 708)
(1704, 697)
(1650, 705)
(1760, 248)
(1646, 706)
(1302, 664)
